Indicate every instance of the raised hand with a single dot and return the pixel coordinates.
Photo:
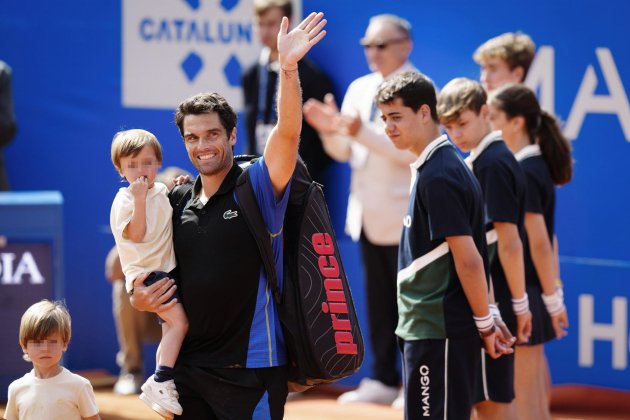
(350, 124)
(322, 116)
(292, 46)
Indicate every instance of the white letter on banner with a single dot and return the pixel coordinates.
(7, 267)
(28, 265)
(616, 102)
(541, 76)
(616, 333)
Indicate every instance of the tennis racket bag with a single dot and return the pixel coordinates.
(315, 306)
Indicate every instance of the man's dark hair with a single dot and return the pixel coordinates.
(414, 88)
(204, 103)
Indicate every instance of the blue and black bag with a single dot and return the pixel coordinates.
(315, 307)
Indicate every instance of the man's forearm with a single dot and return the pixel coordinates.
(289, 105)
(471, 272)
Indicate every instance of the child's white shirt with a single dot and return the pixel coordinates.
(66, 396)
(155, 251)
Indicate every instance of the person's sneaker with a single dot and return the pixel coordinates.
(161, 397)
(399, 402)
(370, 391)
(128, 384)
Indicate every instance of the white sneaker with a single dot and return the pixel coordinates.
(370, 391)
(399, 402)
(161, 397)
(128, 384)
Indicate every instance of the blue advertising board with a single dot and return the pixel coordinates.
(31, 267)
(25, 278)
(82, 73)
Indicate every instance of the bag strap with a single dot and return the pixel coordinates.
(178, 196)
(253, 217)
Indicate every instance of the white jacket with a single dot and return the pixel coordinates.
(380, 180)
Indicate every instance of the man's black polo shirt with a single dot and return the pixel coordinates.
(232, 317)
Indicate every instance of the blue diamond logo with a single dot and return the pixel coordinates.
(232, 71)
(192, 65)
(194, 4)
(229, 4)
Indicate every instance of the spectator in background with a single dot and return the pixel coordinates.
(260, 83)
(379, 192)
(504, 59)
(7, 119)
(133, 327)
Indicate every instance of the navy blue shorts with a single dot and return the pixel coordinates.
(154, 277)
(496, 381)
(440, 377)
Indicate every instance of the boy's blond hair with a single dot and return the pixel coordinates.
(515, 48)
(261, 6)
(130, 142)
(43, 319)
(459, 95)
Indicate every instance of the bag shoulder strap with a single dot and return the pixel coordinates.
(253, 217)
(179, 196)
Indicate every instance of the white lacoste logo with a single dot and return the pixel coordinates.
(407, 221)
(230, 214)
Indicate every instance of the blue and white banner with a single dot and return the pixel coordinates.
(603, 94)
(174, 49)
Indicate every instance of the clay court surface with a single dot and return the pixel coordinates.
(569, 403)
(312, 406)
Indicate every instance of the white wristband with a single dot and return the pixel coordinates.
(520, 306)
(494, 310)
(554, 303)
(484, 324)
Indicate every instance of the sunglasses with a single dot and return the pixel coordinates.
(381, 45)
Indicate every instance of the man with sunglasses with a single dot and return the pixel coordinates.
(379, 193)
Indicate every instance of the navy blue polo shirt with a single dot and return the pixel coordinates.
(233, 320)
(445, 201)
(503, 186)
(540, 198)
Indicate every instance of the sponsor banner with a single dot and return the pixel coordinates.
(596, 350)
(25, 278)
(172, 49)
